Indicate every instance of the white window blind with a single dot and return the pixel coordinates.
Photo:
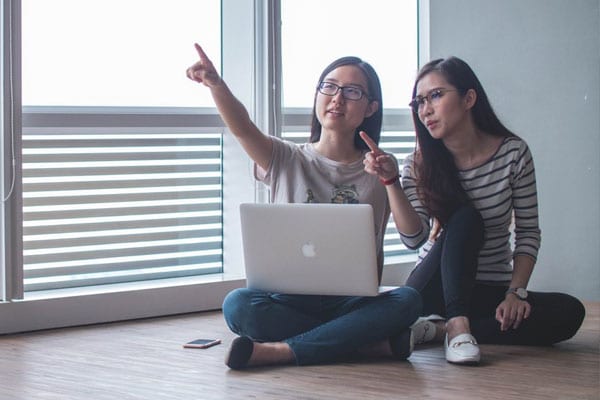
(118, 204)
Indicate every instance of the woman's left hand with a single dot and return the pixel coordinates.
(511, 312)
(377, 162)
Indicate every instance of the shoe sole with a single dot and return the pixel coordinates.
(473, 361)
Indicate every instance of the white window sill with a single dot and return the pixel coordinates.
(72, 307)
(130, 286)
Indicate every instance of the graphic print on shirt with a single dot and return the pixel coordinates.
(342, 194)
(345, 194)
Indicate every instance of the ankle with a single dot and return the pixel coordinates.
(456, 326)
(271, 353)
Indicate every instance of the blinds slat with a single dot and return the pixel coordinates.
(83, 197)
(109, 264)
(34, 257)
(155, 207)
(92, 225)
(123, 276)
(126, 184)
(53, 241)
(103, 180)
(73, 142)
(120, 170)
(86, 157)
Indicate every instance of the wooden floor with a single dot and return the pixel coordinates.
(144, 359)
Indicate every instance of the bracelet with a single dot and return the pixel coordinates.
(390, 181)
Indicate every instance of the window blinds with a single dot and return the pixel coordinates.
(110, 205)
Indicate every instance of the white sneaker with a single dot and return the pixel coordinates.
(424, 329)
(462, 349)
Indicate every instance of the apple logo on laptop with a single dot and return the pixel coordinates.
(309, 250)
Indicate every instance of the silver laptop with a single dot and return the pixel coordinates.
(323, 249)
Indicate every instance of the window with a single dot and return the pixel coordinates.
(112, 175)
(110, 193)
(115, 53)
(382, 33)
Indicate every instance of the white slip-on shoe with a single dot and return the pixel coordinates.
(424, 329)
(462, 349)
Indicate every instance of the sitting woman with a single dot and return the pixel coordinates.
(476, 181)
(278, 328)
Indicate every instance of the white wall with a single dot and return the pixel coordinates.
(539, 61)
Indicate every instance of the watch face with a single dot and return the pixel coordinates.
(521, 293)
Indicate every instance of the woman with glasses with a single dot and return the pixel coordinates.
(279, 328)
(475, 180)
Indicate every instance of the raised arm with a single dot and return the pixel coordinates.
(256, 144)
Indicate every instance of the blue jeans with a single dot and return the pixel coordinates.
(320, 329)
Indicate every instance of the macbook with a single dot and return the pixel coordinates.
(321, 249)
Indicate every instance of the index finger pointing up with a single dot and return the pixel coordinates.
(372, 145)
(201, 53)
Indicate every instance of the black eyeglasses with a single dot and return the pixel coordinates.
(432, 98)
(348, 92)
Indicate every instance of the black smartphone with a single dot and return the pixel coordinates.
(202, 343)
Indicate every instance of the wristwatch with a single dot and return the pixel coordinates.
(520, 292)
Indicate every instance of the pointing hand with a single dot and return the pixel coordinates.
(203, 71)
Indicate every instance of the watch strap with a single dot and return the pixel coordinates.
(521, 293)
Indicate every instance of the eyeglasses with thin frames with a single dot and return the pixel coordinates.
(348, 92)
(432, 98)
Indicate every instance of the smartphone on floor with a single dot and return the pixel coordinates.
(202, 343)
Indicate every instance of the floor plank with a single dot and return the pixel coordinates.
(144, 359)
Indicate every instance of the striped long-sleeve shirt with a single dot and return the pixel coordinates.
(502, 187)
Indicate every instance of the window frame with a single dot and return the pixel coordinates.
(10, 203)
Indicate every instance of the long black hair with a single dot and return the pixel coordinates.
(438, 183)
(371, 125)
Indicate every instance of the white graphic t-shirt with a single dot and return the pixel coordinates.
(299, 174)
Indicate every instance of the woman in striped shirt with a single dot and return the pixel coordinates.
(475, 181)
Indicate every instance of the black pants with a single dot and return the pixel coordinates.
(446, 280)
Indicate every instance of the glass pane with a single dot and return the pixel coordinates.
(115, 52)
(381, 32)
(384, 34)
